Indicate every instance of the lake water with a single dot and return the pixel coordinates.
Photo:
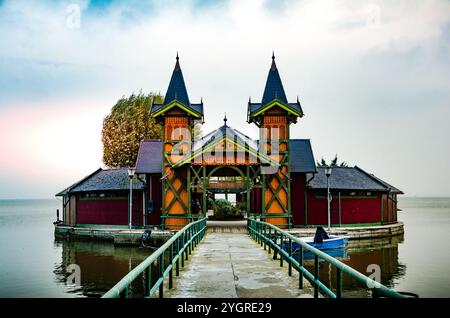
(33, 264)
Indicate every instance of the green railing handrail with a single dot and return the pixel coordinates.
(179, 246)
(263, 234)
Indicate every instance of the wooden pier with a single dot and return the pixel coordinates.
(232, 265)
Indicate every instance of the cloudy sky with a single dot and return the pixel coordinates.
(373, 79)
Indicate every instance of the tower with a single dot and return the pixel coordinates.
(177, 116)
(273, 116)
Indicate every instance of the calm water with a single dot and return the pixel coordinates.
(32, 263)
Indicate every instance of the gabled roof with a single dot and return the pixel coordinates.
(226, 132)
(177, 92)
(387, 185)
(273, 92)
(104, 180)
(67, 190)
(348, 178)
(302, 157)
(149, 155)
(149, 158)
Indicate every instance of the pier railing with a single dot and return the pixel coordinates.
(276, 239)
(176, 250)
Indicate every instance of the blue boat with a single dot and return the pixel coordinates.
(332, 242)
(340, 253)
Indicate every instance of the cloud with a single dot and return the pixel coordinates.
(350, 62)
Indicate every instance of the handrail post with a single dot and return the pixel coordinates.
(338, 283)
(300, 272)
(316, 276)
(261, 235)
(275, 234)
(171, 268)
(148, 280)
(189, 240)
(177, 266)
(270, 239)
(124, 293)
(182, 249)
(185, 246)
(161, 275)
(264, 236)
(290, 257)
(281, 249)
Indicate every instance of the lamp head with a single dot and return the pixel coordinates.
(328, 171)
(131, 172)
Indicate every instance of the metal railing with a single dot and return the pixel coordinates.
(275, 239)
(177, 249)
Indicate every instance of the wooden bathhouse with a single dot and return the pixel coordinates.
(275, 176)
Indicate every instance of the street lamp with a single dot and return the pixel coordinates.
(131, 172)
(328, 171)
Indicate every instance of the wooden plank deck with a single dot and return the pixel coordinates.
(232, 265)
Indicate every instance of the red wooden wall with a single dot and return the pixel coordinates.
(154, 218)
(353, 210)
(109, 211)
(298, 198)
(255, 200)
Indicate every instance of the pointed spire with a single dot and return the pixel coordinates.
(274, 87)
(273, 66)
(201, 100)
(225, 119)
(177, 88)
(177, 64)
(298, 102)
(249, 99)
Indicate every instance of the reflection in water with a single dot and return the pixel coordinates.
(32, 264)
(359, 255)
(102, 266)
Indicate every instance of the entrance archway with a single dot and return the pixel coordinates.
(207, 180)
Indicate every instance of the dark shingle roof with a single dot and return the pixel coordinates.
(67, 190)
(177, 91)
(105, 180)
(149, 158)
(149, 155)
(347, 178)
(274, 87)
(229, 132)
(273, 90)
(302, 157)
(387, 185)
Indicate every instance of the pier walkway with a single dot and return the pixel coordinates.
(230, 265)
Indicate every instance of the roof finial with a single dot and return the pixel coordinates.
(177, 56)
(273, 67)
(298, 102)
(201, 100)
(249, 99)
(225, 119)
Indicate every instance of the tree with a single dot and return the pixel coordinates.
(124, 128)
(333, 163)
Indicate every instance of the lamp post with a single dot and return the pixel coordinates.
(328, 171)
(131, 172)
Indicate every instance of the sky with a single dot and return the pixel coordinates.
(373, 79)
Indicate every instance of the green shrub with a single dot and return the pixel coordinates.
(223, 209)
